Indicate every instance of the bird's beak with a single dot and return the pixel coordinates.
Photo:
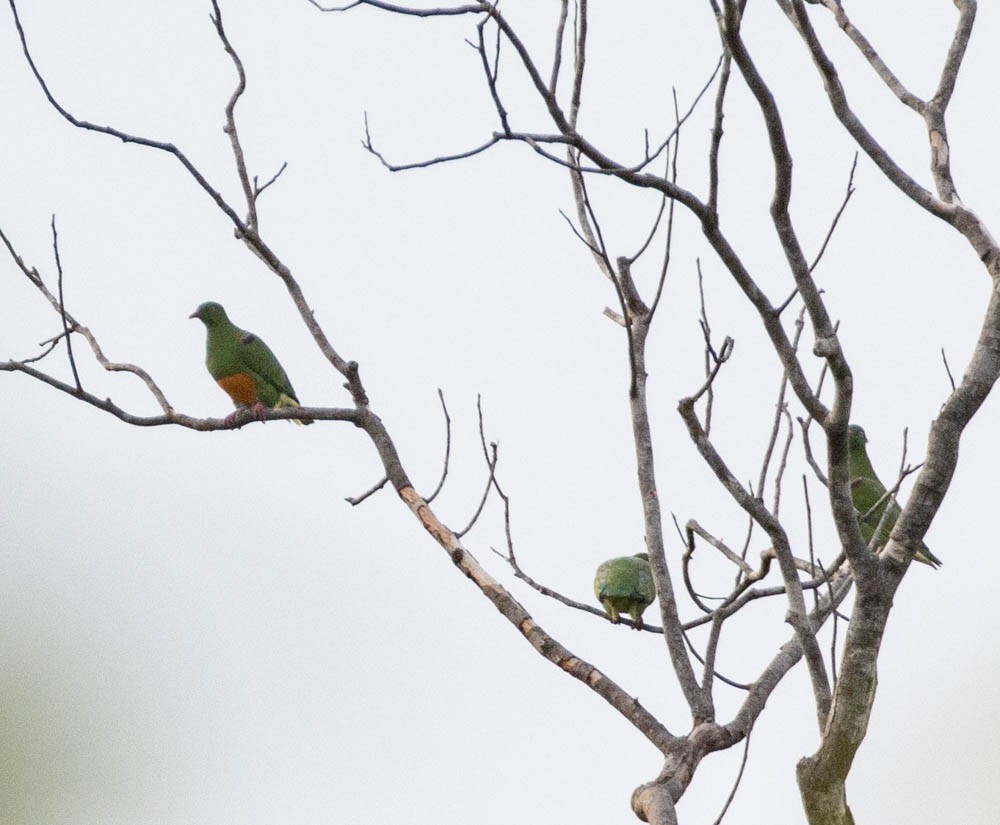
(193, 314)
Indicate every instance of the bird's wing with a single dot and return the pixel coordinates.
(259, 359)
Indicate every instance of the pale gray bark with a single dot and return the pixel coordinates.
(843, 702)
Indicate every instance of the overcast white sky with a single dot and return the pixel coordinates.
(196, 628)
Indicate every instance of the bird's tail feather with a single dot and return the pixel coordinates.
(285, 401)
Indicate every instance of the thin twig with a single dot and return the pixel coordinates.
(75, 326)
(492, 72)
(837, 617)
(258, 190)
(836, 217)
(49, 345)
(230, 127)
(354, 501)
(715, 673)
(783, 462)
(472, 8)
(807, 447)
(693, 527)
(947, 369)
(492, 461)
(557, 52)
(739, 777)
(62, 308)
(668, 241)
(447, 448)
(423, 164)
(809, 532)
(596, 252)
(717, 132)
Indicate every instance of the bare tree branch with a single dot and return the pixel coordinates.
(62, 308)
(354, 501)
(259, 190)
(443, 11)
(736, 782)
(836, 217)
(447, 448)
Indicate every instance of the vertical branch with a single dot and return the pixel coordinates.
(557, 56)
(62, 308)
(668, 242)
(230, 127)
(699, 701)
(706, 331)
(492, 72)
(713, 153)
(447, 448)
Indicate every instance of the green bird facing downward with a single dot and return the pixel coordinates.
(244, 366)
(625, 585)
(867, 490)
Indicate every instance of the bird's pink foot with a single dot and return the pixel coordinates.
(230, 419)
(259, 411)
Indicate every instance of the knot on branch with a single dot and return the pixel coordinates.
(826, 347)
(648, 800)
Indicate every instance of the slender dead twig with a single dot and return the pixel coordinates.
(809, 532)
(780, 411)
(715, 673)
(833, 638)
(712, 203)
(669, 239)
(492, 461)
(947, 369)
(230, 110)
(493, 72)
(783, 461)
(693, 528)
(710, 354)
(71, 324)
(49, 345)
(836, 217)
(354, 501)
(423, 164)
(719, 358)
(739, 778)
(580, 236)
(807, 448)
(447, 448)
(62, 308)
(258, 189)
(558, 50)
(444, 11)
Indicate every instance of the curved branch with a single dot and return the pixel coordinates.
(125, 137)
(472, 8)
(230, 127)
(181, 419)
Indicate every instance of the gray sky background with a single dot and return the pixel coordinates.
(197, 628)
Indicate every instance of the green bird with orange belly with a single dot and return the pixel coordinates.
(244, 366)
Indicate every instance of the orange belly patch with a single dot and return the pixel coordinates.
(241, 387)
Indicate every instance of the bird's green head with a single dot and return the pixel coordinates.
(856, 438)
(210, 313)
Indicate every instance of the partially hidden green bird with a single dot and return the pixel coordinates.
(244, 366)
(867, 491)
(625, 585)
